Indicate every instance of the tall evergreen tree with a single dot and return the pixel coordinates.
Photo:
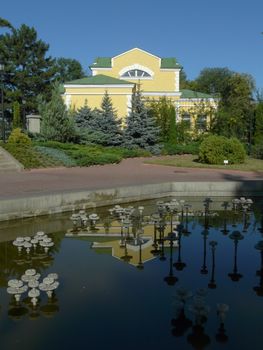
(110, 125)
(68, 69)
(141, 129)
(56, 123)
(28, 71)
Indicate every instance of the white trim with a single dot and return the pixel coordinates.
(197, 99)
(177, 77)
(68, 100)
(170, 69)
(99, 86)
(98, 68)
(136, 66)
(135, 48)
(161, 93)
(129, 99)
(94, 93)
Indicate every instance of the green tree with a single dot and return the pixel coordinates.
(141, 128)
(16, 115)
(164, 113)
(213, 80)
(56, 125)
(109, 124)
(68, 69)
(234, 117)
(28, 71)
(258, 135)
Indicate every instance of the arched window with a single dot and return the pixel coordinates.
(136, 73)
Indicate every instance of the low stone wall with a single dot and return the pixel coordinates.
(16, 208)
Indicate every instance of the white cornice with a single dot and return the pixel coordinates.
(135, 48)
(156, 93)
(68, 86)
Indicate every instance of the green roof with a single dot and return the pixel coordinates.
(166, 63)
(194, 94)
(99, 79)
(170, 63)
(101, 62)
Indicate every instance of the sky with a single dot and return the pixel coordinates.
(199, 33)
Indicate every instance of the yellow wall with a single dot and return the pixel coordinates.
(94, 96)
(163, 80)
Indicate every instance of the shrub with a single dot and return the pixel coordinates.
(19, 138)
(56, 154)
(215, 149)
(29, 157)
(172, 148)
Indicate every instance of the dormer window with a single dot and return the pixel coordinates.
(136, 73)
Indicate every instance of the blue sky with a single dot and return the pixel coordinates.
(204, 33)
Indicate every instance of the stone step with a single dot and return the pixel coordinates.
(8, 163)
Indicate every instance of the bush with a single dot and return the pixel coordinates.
(172, 148)
(19, 138)
(215, 149)
(56, 154)
(29, 157)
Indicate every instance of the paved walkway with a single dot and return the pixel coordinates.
(128, 172)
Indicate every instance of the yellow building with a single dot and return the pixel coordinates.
(119, 75)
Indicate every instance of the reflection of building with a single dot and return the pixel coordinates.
(157, 77)
(111, 241)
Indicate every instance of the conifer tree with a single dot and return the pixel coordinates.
(16, 115)
(56, 124)
(109, 124)
(141, 129)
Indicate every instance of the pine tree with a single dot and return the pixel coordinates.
(16, 115)
(141, 129)
(109, 124)
(56, 124)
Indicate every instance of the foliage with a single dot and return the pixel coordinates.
(56, 154)
(99, 126)
(258, 135)
(164, 113)
(17, 137)
(216, 149)
(213, 80)
(29, 157)
(235, 109)
(257, 151)
(141, 129)
(16, 115)
(183, 132)
(28, 71)
(190, 148)
(68, 69)
(109, 124)
(56, 123)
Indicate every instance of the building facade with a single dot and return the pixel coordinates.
(119, 75)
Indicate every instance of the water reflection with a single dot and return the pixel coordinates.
(170, 242)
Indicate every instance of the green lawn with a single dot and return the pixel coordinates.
(191, 161)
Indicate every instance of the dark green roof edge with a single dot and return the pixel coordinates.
(99, 79)
(101, 62)
(166, 63)
(170, 63)
(194, 94)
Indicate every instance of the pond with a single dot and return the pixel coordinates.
(178, 274)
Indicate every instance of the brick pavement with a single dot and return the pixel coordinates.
(129, 172)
